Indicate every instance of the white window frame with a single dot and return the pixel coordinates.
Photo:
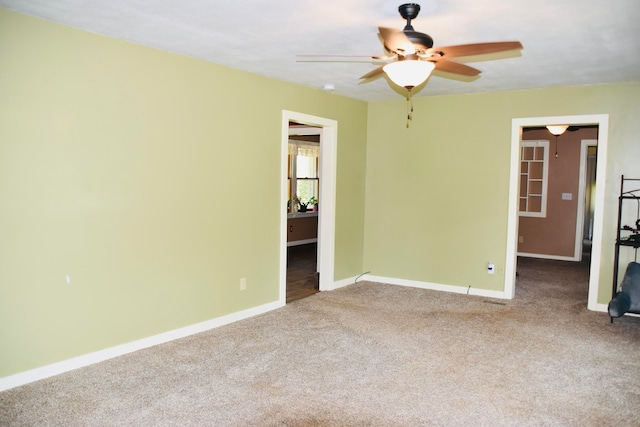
(293, 167)
(545, 177)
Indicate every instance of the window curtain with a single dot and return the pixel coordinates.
(304, 148)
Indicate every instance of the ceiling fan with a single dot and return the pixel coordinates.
(409, 45)
(411, 57)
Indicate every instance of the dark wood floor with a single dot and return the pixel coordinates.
(302, 280)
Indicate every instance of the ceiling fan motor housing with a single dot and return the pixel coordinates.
(421, 41)
(409, 11)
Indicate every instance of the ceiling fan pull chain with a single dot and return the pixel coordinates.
(409, 107)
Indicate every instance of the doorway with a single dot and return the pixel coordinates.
(602, 121)
(302, 213)
(302, 272)
(328, 130)
(553, 191)
(588, 163)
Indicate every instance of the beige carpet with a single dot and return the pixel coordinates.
(371, 355)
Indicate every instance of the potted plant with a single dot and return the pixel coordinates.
(298, 205)
(314, 202)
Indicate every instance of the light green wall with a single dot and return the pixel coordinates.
(437, 193)
(152, 180)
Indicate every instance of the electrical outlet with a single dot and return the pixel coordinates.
(491, 268)
(520, 239)
(68, 279)
(243, 284)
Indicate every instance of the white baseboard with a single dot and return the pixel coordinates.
(437, 287)
(543, 256)
(302, 242)
(605, 308)
(119, 350)
(344, 282)
(602, 307)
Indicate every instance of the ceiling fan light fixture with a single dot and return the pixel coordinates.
(557, 129)
(409, 73)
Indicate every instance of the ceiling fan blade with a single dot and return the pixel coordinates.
(338, 55)
(373, 73)
(475, 49)
(456, 68)
(396, 41)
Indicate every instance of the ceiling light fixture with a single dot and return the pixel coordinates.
(408, 72)
(557, 130)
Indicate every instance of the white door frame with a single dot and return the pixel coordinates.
(602, 120)
(327, 198)
(582, 194)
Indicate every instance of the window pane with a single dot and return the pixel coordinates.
(535, 188)
(533, 178)
(307, 188)
(306, 167)
(535, 204)
(535, 170)
(523, 186)
(527, 153)
(523, 204)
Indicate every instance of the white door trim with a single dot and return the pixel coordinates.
(327, 198)
(602, 120)
(582, 192)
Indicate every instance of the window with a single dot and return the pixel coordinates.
(303, 165)
(534, 170)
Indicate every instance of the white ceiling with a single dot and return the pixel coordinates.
(566, 42)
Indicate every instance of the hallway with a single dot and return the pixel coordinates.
(302, 279)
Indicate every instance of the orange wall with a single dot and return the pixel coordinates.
(555, 234)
